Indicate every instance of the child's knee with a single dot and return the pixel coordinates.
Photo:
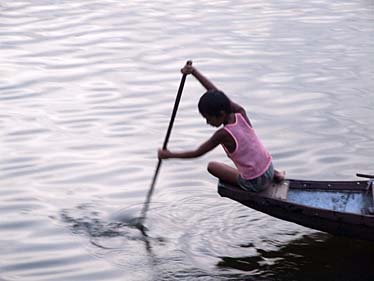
(212, 167)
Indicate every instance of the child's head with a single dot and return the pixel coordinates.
(214, 103)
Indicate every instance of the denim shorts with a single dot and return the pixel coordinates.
(257, 184)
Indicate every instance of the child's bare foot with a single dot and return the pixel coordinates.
(279, 176)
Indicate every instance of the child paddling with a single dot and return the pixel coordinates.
(254, 169)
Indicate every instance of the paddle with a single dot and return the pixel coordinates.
(174, 113)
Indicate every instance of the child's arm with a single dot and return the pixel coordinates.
(207, 146)
(236, 108)
(189, 69)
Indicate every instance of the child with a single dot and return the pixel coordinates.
(254, 169)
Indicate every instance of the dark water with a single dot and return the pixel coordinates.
(86, 91)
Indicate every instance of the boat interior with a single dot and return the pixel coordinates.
(352, 197)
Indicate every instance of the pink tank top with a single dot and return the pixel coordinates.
(250, 156)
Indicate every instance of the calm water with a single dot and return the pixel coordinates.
(86, 91)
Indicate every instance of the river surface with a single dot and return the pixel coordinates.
(86, 92)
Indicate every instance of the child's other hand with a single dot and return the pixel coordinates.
(188, 69)
(164, 154)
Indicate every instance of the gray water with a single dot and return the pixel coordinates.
(350, 202)
(86, 92)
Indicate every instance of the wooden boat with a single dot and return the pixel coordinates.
(344, 208)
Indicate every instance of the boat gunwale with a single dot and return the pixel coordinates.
(359, 185)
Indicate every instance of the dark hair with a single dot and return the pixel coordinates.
(213, 102)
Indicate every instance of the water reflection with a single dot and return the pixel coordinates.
(86, 91)
(313, 257)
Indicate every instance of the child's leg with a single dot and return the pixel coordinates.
(224, 172)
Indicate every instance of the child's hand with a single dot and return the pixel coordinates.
(164, 154)
(188, 69)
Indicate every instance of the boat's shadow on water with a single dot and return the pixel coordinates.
(318, 256)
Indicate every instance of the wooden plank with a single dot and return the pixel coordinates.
(277, 190)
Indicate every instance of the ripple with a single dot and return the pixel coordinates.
(87, 90)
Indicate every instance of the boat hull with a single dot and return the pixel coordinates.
(359, 225)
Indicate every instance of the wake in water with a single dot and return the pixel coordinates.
(99, 227)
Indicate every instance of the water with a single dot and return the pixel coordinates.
(86, 91)
(351, 202)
